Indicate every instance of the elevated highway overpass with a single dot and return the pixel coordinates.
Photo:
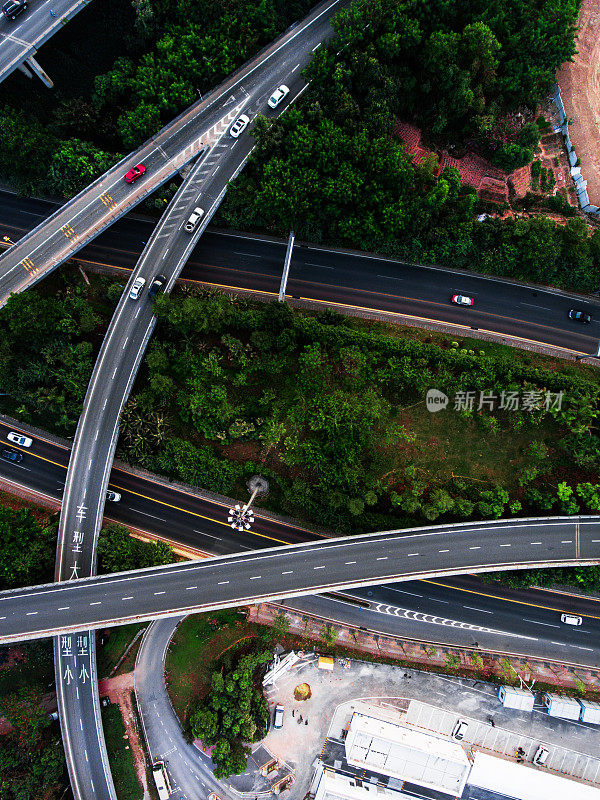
(296, 570)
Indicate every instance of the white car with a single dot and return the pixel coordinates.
(19, 438)
(137, 287)
(114, 497)
(278, 717)
(194, 219)
(459, 730)
(570, 619)
(278, 95)
(239, 126)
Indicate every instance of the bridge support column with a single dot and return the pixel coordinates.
(43, 76)
(27, 72)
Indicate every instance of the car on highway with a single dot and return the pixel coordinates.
(278, 716)
(459, 730)
(278, 95)
(580, 316)
(135, 173)
(194, 219)
(114, 497)
(11, 455)
(462, 300)
(137, 287)
(19, 438)
(157, 285)
(239, 126)
(12, 8)
(570, 619)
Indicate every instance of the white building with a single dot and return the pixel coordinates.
(378, 745)
(524, 783)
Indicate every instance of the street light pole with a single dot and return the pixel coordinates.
(241, 516)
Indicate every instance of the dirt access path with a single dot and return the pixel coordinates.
(119, 691)
(579, 83)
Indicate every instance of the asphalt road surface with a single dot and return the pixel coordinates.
(452, 612)
(296, 570)
(190, 770)
(98, 206)
(22, 37)
(332, 276)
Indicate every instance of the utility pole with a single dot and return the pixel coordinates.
(286, 267)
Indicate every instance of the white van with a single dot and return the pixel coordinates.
(194, 219)
(278, 718)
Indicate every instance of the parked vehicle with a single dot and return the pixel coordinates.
(459, 730)
(278, 716)
(541, 756)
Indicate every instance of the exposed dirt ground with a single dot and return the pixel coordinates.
(579, 83)
(119, 690)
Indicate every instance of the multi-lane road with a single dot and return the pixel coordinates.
(459, 611)
(296, 570)
(109, 197)
(331, 276)
(22, 37)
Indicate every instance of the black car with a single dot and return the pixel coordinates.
(157, 285)
(580, 316)
(12, 8)
(11, 455)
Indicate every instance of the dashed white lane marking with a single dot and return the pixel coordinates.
(350, 562)
(155, 593)
(187, 588)
(481, 610)
(537, 622)
(476, 547)
(288, 572)
(62, 608)
(96, 603)
(222, 583)
(127, 598)
(31, 613)
(567, 541)
(382, 558)
(323, 567)
(443, 551)
(411, 554)
(534, 542)
(255, 577)
(504, 545)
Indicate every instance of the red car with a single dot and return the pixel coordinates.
(462, 300)
(135, 173)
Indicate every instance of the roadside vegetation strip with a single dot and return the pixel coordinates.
(305, 630)
(120, 756)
